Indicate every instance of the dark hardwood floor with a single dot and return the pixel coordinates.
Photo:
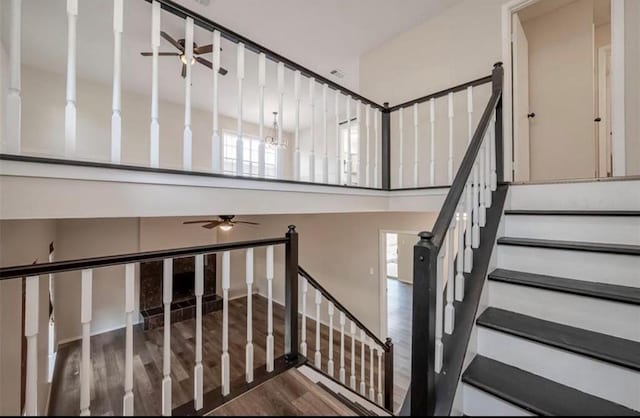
(107, 356)
(399, 302)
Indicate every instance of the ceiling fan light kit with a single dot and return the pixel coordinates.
(225, 222)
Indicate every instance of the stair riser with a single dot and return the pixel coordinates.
(617, 269)
(480, 403)
(621, 195)
(593, 314)
(605, 229)
(594, 377)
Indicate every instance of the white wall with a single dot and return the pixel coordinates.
(22, 242)
(561, 92)
(632, 85)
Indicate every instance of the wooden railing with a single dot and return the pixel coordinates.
(444, 256)
(380, 389)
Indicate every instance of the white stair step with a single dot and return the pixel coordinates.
(480, 403)
(623, 270)
(605, 380)
(594, 314)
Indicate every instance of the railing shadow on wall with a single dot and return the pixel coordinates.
(376, 385)
(350, 141)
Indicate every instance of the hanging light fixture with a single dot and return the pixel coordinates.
(273, 140)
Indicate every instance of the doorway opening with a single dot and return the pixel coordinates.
(560, 53)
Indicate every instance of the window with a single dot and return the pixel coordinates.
(249, 155)
(355, 150)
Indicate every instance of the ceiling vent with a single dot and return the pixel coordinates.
(337, 73)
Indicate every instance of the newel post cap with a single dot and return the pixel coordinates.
(426, 235)
(497, 64)
(292, 229)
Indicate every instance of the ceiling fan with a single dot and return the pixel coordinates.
(197, 50)
(225, 222)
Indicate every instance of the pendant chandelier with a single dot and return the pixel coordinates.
(274, 141)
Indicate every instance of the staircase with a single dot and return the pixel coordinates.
(560, 330)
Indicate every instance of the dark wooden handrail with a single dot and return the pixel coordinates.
(183, 12)
(112, 260)
(314, 283)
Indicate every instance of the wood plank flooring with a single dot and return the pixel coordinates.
(288, 394)
(399, 302)
(107, 357)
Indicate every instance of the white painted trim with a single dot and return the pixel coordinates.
(382, 276)
(603, 151)
(617, 89)
(509, 9)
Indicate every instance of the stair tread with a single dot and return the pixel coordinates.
(536, 394)
(625, 249)
(572, 212)
(619, 351)
(354, 406)
(626, 294)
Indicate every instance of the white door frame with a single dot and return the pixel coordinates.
(603, 150)
(382, 275)
(617, 85)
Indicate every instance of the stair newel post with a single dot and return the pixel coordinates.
(303, 336)
(291, 296)
(425, 263)
(198, 378)
(330, 365)
(388, 374)
(318, 356)
(342, 370)
(167, 296)
(385, 147)
(496, 79)
(249, 346)
(270, 308)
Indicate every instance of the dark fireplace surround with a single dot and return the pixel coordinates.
(183, 305)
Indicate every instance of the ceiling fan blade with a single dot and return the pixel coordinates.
(208, 64)
(184, 71)
(222, 71)
(212, 225)
(204, 221)
(172, 41)
(204, 49)
(245, 222)
(160, 54)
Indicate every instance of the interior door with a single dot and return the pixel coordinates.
(604, 111)
(521, 112)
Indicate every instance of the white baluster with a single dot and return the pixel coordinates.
(312, 153)
(31, 312)
(70, 123)
(318, 356)
(154, 129)
(330, 360)
(280, 149)
(432, 120)
(14, 96)
(449, 311)
(360, 125)
(482, 211)
(270, 308)
(249, 347)
(127, 402)
(380, 400)
(342, 370)
(416, 162)
(85, 362)
(492, 154)
(216, 142)
(116, 119)
(262, 82)
(475, 229)
(461, 221)
(367, 171)
(197, 370)
(401, 148)
(372, 390)
(468, 252)
(325, 137)
(239, 138)
(376, 141)
(363, 382)
(338, 142)
(450, 162)
(439, 348)
(226, 281)
(352, 382)
(487, 169)
(349, 176)
(296, 155)
(187, 141)
(303, 336)
(167, 295)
